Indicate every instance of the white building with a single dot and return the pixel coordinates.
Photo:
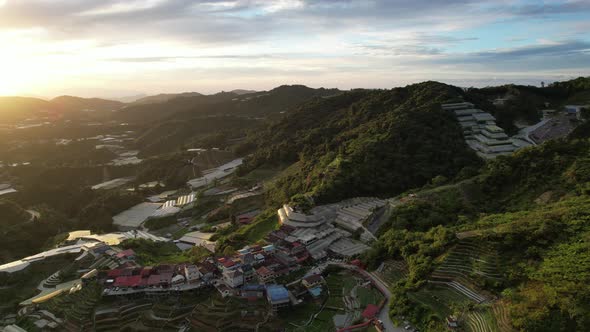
(191, 273)
(233, 278)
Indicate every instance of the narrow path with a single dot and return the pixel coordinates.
(380, 284)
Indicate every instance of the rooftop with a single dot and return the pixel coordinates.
(277, 293)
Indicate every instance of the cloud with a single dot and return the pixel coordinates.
(367, 41)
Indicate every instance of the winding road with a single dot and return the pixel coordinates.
(378, 282)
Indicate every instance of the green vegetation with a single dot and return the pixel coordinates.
(524, 102)
(150, 253)
(159, 223)
(19, 286)
(12, 213)
(263, 224)
(76, 307)
(523, 224)
(364, 143)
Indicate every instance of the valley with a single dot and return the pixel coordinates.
(423, 208)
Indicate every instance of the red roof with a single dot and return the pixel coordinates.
(228, 263)
(114, 273)
(128, 281)
(146, 271)
(358, 263)
(157, 279)
(263, 271)
(371, 311)
(126, 253)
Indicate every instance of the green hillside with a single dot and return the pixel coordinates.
(518, 231)
(379, 142)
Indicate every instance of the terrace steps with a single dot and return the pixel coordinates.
(502, 317)
(473, 295)
(477, 322)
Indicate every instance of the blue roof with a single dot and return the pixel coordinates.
(316, 291)
(253, 287)
(277, 292)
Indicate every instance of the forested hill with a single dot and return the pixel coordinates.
(516, 233)
(212, 121)
(15, 109)
(257, 104)
(364, 142)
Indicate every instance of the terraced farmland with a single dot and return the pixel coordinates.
(230, 314)
(77, 308)
(481, 320)
(502, 317)
(392, 271)
(438, 299)
(471, 261)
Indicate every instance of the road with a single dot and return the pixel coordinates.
(383, 287)
(384, 313)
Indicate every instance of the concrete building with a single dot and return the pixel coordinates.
(233, 278)
(277, 296)
(191, 273)
(312, 281)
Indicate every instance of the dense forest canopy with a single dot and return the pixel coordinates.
(363, 142)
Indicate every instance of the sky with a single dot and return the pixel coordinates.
(117, 48)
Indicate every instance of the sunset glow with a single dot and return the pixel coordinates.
(90, 47)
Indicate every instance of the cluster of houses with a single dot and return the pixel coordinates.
(251, 273)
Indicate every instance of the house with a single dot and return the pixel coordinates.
(285, 259)
(128, 281)
(312, 281)
(269, 249)
(265, 274)
(191, 273)
(233, 278)
(259, 258)
(248, 271)
(277, 296)
(226, 263)
(247, 258)
(160, 280)
(452, 322)
(126, 254)
(178, 279)
(224, 290)
(207, 270)
(253, 292)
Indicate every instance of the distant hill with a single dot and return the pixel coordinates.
(214, 120)
(130, 99)
(15, 109)
(242, 91)
(19, 108)
(71, 103)
(164, 97)
(259, 104)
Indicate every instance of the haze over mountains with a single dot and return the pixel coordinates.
(15, 108)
